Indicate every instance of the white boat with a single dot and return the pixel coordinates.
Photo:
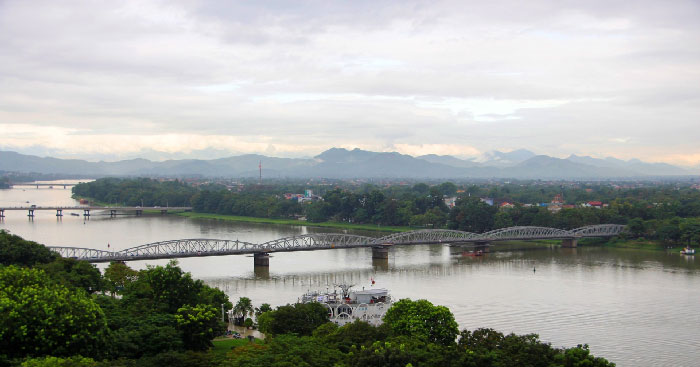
(688, 251)
(344, 307)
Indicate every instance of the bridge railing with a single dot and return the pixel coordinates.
(319, 241)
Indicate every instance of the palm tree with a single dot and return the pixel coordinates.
(242, 309)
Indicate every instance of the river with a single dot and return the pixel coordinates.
(635, 308)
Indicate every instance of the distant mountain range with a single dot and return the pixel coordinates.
(343, 163)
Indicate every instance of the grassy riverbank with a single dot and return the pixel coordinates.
(294, 222)
(641, 244)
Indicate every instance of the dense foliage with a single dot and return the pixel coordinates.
(40, 317)
(137, 192)
(300, 318)
(54, 315)
(18, 251)
(666, 213)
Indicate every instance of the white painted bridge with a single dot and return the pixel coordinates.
(325, 241)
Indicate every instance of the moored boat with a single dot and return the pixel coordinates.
(688, 251)
(346, 306)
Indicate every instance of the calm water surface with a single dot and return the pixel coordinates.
(635, 308)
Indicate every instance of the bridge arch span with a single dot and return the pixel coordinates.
(315, 241)
(82, 253)
(599, 230)
(525, 233)
(189, 247)
(427, 236)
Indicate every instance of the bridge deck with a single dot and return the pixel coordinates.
(94, 207)
(326, 241)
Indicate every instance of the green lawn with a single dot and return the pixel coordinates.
(224, 345)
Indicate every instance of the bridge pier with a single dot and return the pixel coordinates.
(86, 212)
(569, 243)
(2, 213)
(380, 252)
(112, 213)
(261, 259)
(380, 264)
(59, 212)
(261, 272)
(31, 213)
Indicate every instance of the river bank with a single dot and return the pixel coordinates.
(295, 222)
(615, 242)
(638, 244)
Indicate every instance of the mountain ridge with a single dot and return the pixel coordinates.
(356, 163)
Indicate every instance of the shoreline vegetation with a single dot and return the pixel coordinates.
(615, 242)
(296, 222)
(636, 244)
(658, 216)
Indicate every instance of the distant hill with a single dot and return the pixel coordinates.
(500, 159)
(356, 163)
(448, 160)
(633, 165)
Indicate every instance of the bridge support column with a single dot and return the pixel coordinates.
(59, 212)
(261, 272)
(483, 246)
(380, 252)
(2, 213)
(261, 259)
(86, 212)
(31, 213)
(569, 242)
(380, 264)
(112, 213)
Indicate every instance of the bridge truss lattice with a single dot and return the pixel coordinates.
(323, 241)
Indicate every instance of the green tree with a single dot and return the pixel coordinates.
(472, 215)
(164, 289)
(502, 220)
(14, 250)
(74, 274)
(636, 227)
(690, 231)
(40, 317)
(242, 309)
(76, 361)
(262, 309)
(286, 351)
(117, 276)
(580, 356)
(198, 325)
(421, 319)
(300, 318)
(135, 337)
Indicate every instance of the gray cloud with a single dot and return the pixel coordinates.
(558, 77)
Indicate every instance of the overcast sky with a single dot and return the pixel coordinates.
(114, 79)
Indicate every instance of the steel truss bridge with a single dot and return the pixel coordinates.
(325, 241)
